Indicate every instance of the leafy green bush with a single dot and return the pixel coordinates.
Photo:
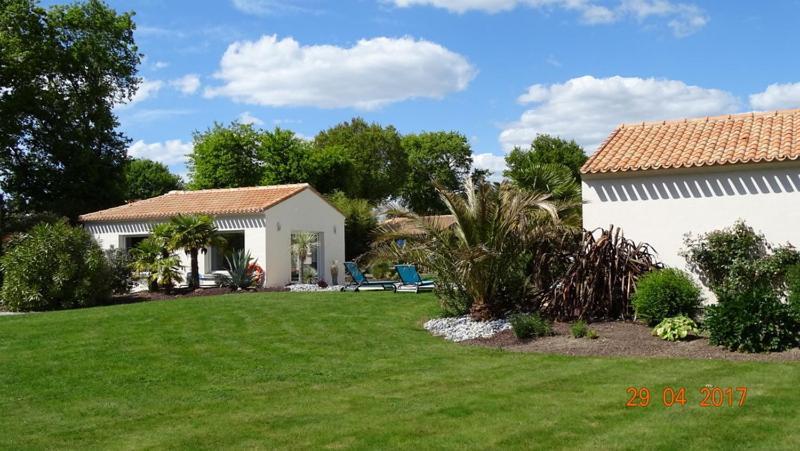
(793, 288)
(530, 325)
(55, 266)
(675, 328)
(753, 320)
(592, 334)
(381, 269)
(579, 329)
(121, 265)
(737, 257)
(666, 293)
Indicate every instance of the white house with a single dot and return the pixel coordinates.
(260, 219)
(659, 181)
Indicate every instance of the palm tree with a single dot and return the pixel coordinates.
(152, 257)
(194, 234)
(481, 262)
(302, 244)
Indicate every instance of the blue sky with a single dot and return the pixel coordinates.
(498, 71)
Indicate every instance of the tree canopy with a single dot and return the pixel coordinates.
(62, 69)
(546, 149)
(442, 158)
(147, 178)
(226, 157)
(377, 155)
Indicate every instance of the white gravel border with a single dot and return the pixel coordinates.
(464, 328)
(311, 287)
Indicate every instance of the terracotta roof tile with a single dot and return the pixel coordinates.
(729, 139)
(230, 201)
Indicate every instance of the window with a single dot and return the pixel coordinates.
(132, 241)
(305, 255)
(234, 242)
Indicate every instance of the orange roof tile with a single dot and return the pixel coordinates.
(710, 141)
(230, 201)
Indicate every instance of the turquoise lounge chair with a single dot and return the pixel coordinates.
(411, 280)
(359, 281)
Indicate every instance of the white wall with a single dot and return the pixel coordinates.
(659, 207)
(303, 212)
(112, 234)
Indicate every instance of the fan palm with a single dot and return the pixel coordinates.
(303, 243)
(194, 234)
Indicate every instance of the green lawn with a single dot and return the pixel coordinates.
(343, 370)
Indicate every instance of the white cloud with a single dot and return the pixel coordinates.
(168, 152)
(587, 109)
(683, 19)
(496, 164)
(777, 96)
(147, 89)
(188, 84)
(247, 118)
(266, 7)
(160, 65)
(372, 73)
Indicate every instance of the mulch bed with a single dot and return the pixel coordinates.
(624, 339)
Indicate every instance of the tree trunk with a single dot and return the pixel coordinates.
(302, 258)
(194, 282)
(479, 311)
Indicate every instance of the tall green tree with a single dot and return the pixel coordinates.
(442, 158)
(283, 155)
(377, 155)
(359, 224)
(546, 149)
(62, 69)
(226, 157)
(147, 178)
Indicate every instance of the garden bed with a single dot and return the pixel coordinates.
(625, 339)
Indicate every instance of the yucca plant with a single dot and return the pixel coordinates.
(481, 262)
(241, 268)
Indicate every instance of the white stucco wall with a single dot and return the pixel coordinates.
(304, 212)
(269, 244)
(660, 207)
(113, 234)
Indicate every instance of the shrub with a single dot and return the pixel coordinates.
(793, 285)
(322, 284)
(601, 278)
(592, 334)
(121, 265)
(530, 325)
(579, 329)
(381, 269)
(737, 257)
(55, 266)
(753, 320)
(675, 328)
(666, 293)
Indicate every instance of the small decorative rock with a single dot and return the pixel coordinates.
(305, 287)
(464, 328)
